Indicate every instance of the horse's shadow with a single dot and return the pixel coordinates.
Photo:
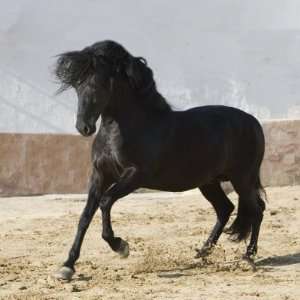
(277, 261)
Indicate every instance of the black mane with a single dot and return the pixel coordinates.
(73, 68)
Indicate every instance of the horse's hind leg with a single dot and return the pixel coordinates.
(252, 247)
(223, 208)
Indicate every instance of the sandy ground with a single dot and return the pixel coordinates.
(163, 229)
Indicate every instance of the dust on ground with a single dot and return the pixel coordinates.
(163, 229)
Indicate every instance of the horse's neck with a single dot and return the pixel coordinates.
(122, 113)
(130, 113)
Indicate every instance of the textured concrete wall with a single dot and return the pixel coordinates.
(41, 164)
(282, 160)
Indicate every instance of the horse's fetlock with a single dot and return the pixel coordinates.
(108, 236)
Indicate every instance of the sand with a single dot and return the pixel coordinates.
(163, 229)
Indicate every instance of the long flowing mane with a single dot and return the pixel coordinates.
(72, 69)
(75, 67)
(149, 95)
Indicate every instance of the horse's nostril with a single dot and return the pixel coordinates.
(86, 129)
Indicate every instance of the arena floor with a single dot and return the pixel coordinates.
(162, 229)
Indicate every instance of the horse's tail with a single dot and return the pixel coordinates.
(251, 202)
(248, 211)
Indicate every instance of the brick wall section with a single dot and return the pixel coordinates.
(46, 163)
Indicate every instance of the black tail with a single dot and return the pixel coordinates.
(251, 192)
(241, 226)
(248, 210)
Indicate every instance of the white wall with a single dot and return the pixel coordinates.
(240, 53)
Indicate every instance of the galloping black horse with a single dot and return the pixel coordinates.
(142, 142)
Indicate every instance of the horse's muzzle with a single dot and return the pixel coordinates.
(85, 129)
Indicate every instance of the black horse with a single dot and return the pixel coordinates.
(142, 142)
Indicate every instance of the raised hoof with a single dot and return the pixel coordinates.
(123, 251)
(64, 273)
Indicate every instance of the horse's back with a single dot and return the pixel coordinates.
(218, 115)
(216, 142)
(220, 121)
(239, 135)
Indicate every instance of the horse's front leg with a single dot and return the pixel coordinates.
(94, 195)
(127, 183)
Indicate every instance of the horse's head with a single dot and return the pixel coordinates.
(96, 73)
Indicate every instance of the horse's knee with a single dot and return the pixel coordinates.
(224, 212)
(104, 203)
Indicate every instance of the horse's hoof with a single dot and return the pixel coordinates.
(124, 249)
(203, 252)
(64, 273)
(250, 260)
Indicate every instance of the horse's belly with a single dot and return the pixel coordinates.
(175, 181)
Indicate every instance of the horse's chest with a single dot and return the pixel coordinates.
(111, 161)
